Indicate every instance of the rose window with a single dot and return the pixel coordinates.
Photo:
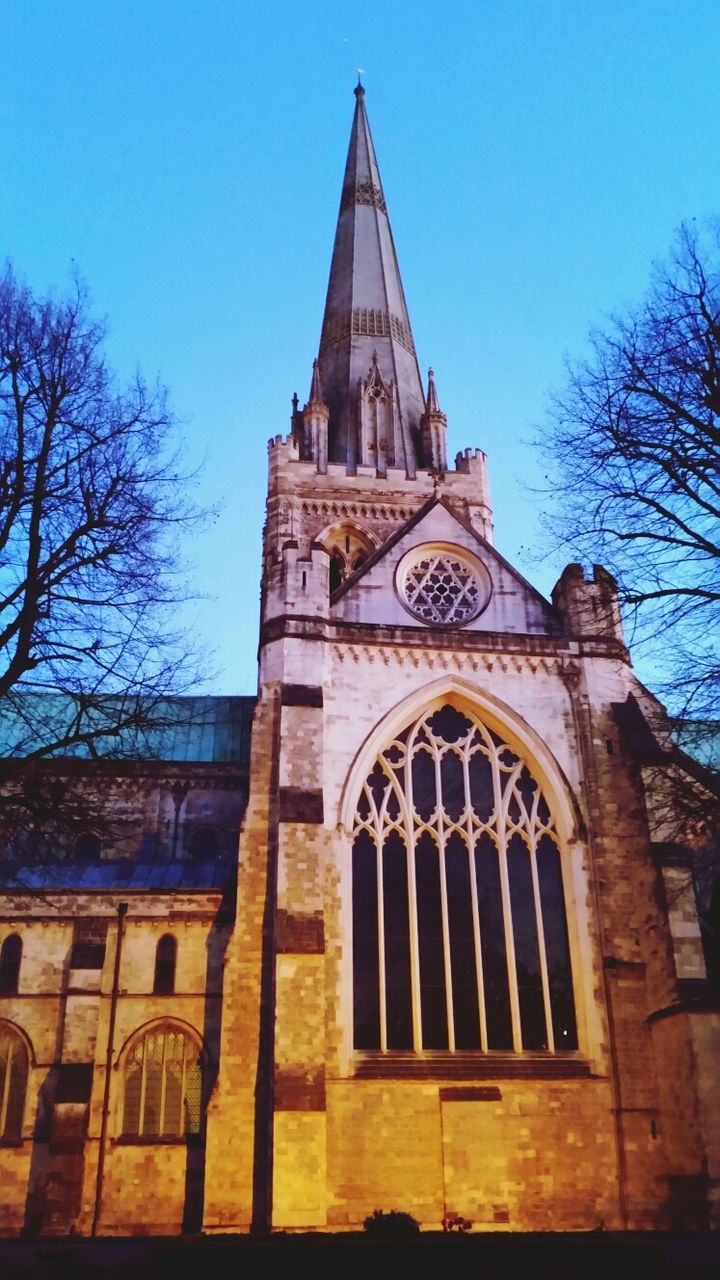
(441, 585)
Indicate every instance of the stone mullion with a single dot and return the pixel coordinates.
(474, 898)
(6, 1089)
(501, 832)
(381, 940)
(444, 904)
(143, 1083)
(541, 945)
(407, 801)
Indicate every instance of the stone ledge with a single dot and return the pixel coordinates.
(469, 1067)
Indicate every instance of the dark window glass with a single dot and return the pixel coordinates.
(337, 571)
(557, 949)
(423, 782)
(89, 939)
(526, 788)
(453, 785)
(449, 724)
(393, 806)
(366, 975)
(462, 945)
(430, 938)
(377, 784)
(527, 954)
(397, 944)
(10, 957)
(492, 945)
(514, 812)
(205, 842)
(165, 957)
(88, 845)
(482, 795)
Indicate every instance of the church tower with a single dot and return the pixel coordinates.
(451, 987)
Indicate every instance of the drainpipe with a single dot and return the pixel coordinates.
(122, 912)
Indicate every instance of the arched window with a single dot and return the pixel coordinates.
(163, 1082)
(88, 845)
(205, 843)
(165, 957)
(337, 570)
(460, 938)
(14, 1065)
(10, 957)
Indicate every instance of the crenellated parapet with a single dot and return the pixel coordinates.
(589, 606)
(296, 580)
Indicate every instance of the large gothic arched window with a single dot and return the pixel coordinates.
(460, 937)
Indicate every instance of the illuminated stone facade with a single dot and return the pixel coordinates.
(452, 984)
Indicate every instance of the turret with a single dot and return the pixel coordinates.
(589, 607)
(315, 417)
(433, 428)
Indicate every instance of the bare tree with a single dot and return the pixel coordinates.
(633, 443)
(91, 507)
(633, 447)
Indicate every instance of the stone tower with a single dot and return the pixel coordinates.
(452, 988)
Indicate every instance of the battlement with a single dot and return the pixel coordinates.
(469, 461)
(589, 604)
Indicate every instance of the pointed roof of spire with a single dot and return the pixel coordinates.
(316, 394)
(365, 308)
(433, 404)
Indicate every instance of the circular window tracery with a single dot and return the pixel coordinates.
(443, 585)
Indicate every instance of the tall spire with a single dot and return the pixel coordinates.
(366, 312)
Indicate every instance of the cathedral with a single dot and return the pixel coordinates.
(403, 933)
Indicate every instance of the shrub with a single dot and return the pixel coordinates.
(393, 1223)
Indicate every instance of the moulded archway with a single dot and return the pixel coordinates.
(497, 715)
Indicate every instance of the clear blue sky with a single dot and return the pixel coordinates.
(188, 155)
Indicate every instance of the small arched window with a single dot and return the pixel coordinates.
(337, 571)
(460, 937)
(88, 845)
(163, 1084)
(205, 843)
(165, 958)
(14, 1065)
(10, 957)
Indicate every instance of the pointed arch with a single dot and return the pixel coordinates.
(493, 712)
(459, 901)
(162, 1074)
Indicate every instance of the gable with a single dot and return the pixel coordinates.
(373, 594)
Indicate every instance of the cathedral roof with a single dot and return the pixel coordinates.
(365, 309)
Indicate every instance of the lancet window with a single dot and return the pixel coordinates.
(460, 939)
(163, 1082)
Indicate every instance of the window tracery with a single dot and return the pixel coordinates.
(14, 1065)
(349, 548)
(163, 1084)
(441, 585)
(460, 939)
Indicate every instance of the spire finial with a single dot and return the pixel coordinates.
(316, 395)
(433, 404)
(359, 89)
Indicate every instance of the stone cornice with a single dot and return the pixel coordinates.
(417, 640)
